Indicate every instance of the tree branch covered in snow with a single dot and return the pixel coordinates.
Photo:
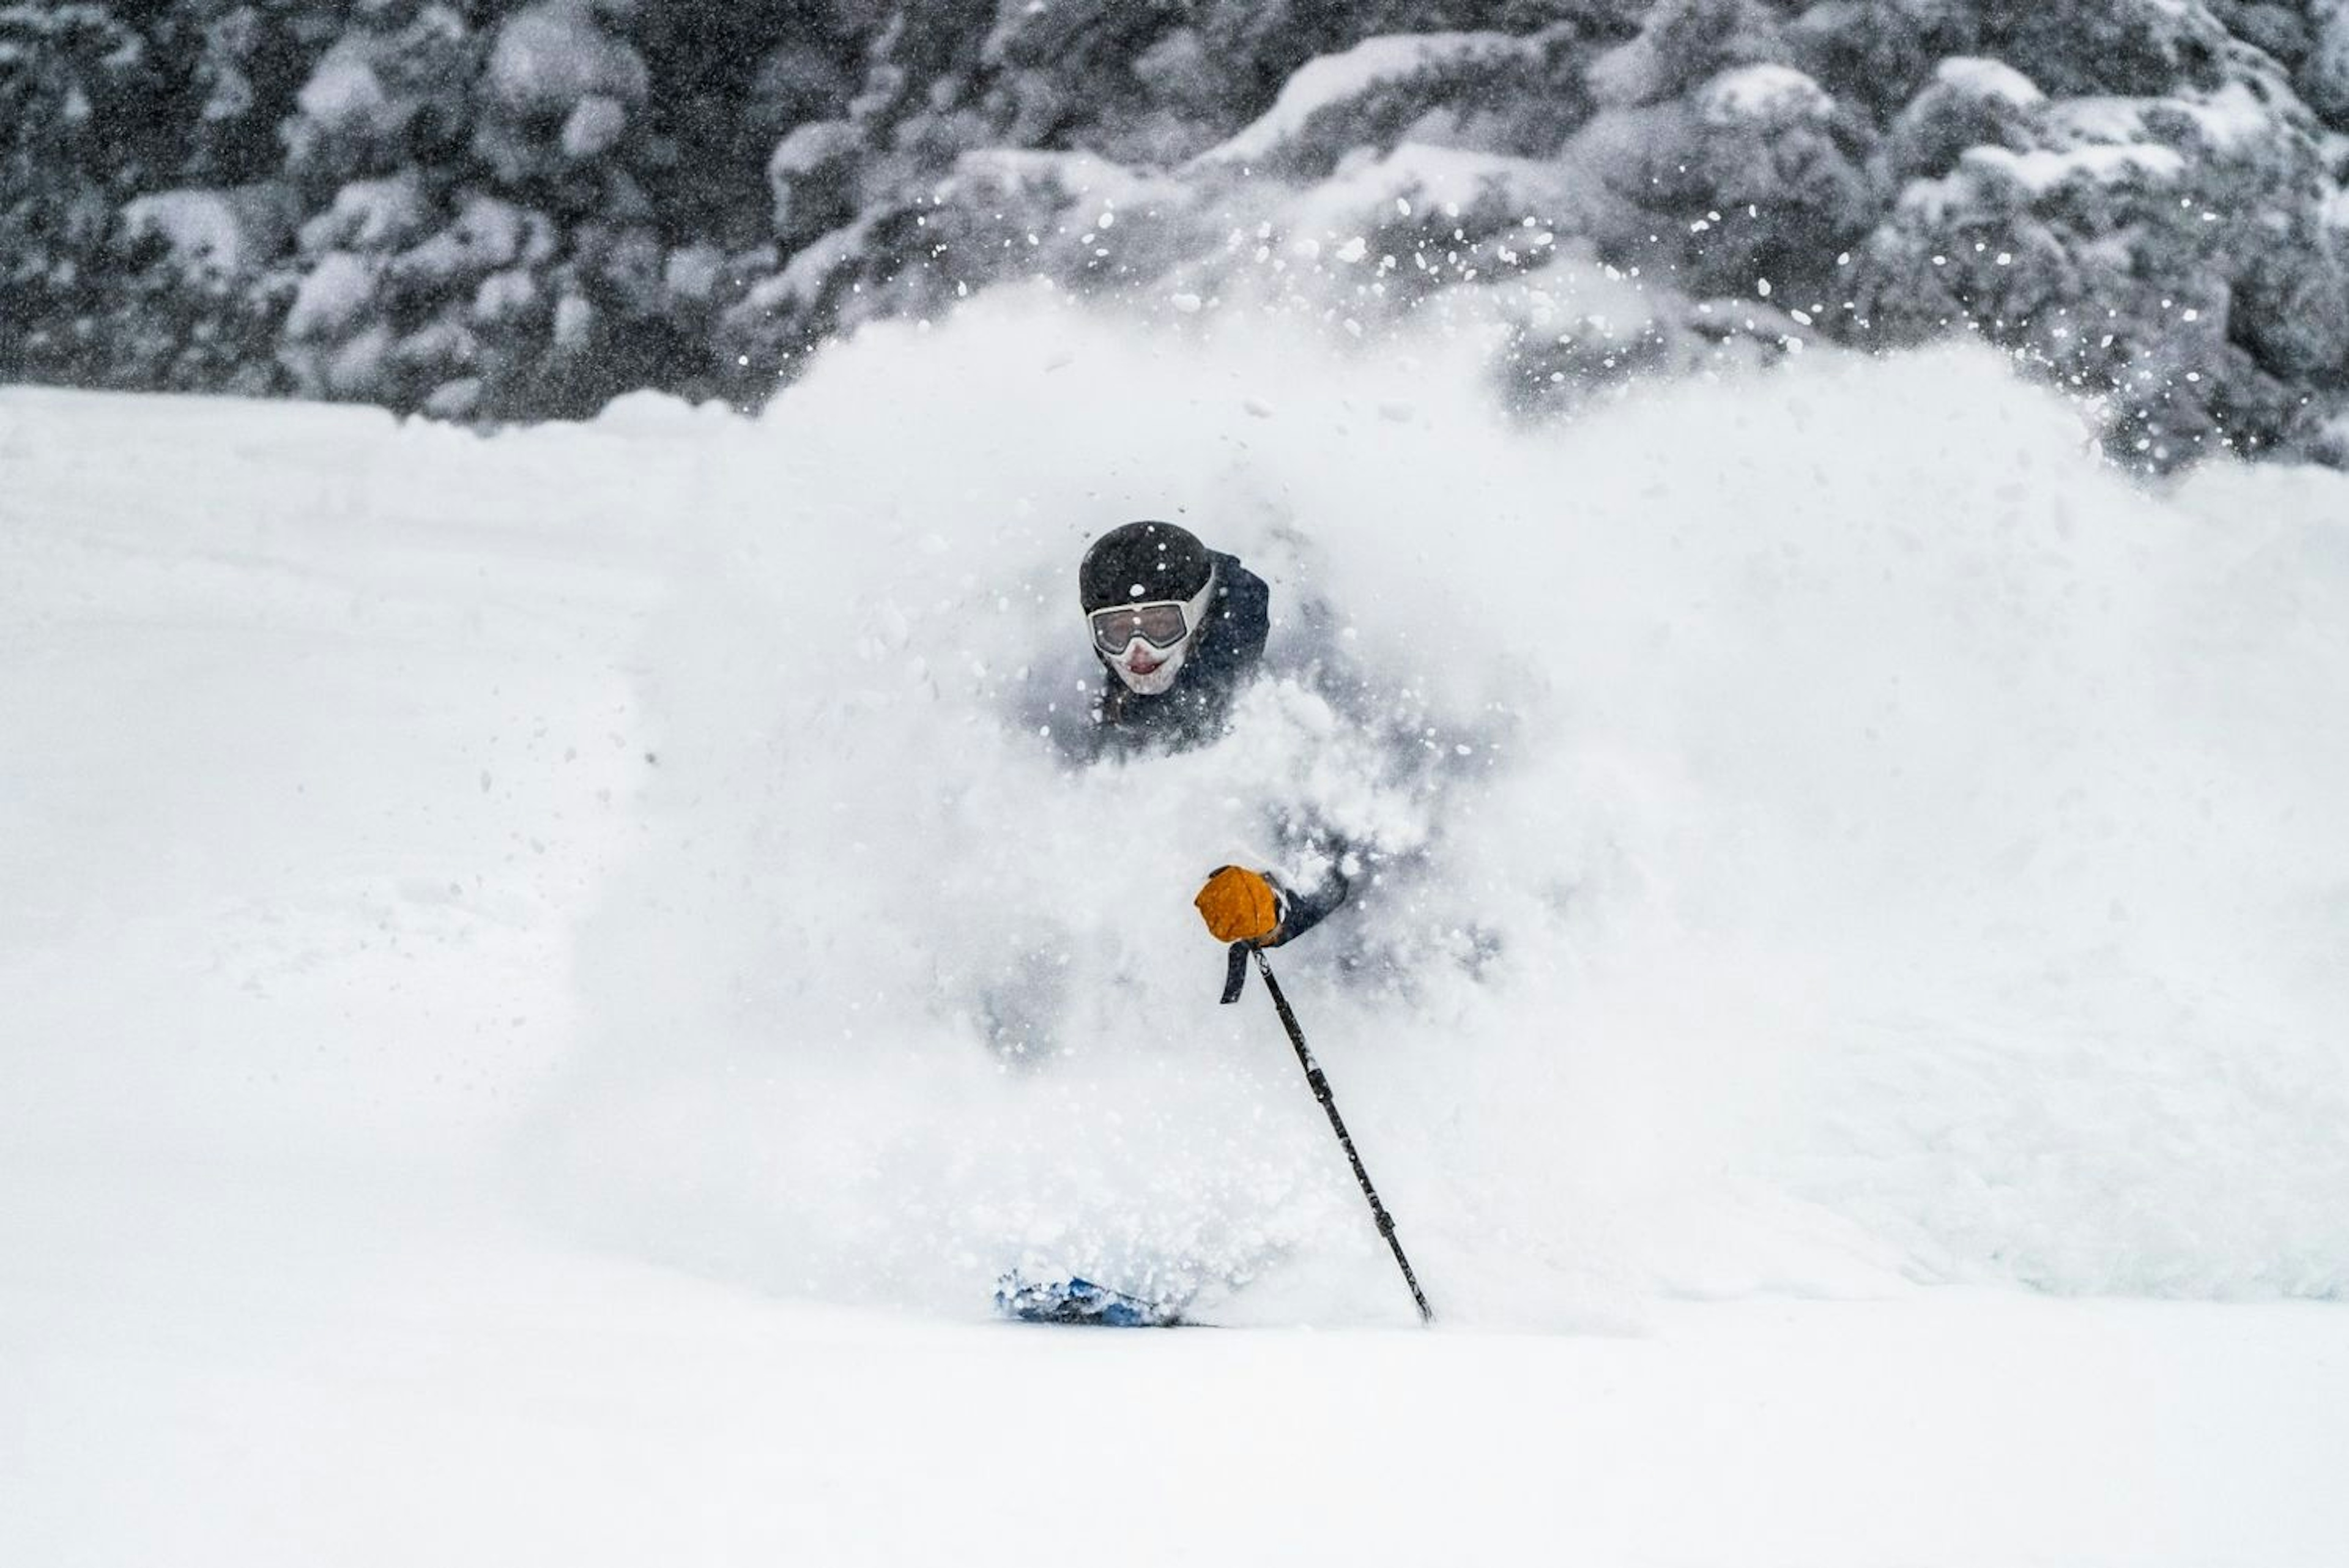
(515, 208)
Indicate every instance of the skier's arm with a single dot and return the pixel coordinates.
(1253, 907)
(1300, 912)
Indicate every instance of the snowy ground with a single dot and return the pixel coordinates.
(240, 1373)
(475, 1084)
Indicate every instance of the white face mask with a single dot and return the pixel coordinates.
(1160, 665)
(1159, 681)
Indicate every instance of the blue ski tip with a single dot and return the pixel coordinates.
(1075, 1301)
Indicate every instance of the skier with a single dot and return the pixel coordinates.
(1179, 629)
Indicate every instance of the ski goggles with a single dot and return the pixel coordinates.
(1161, 625)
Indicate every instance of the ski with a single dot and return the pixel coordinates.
(1069, 1298)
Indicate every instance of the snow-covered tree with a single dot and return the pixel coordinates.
(513, 207)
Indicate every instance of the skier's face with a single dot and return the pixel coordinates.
(1145, 643)
(1147, 671)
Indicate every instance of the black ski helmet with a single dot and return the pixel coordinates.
(1141, 562)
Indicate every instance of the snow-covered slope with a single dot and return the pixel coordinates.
(514, 950)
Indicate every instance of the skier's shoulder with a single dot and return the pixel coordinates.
(1238, 589)
(1242, 610)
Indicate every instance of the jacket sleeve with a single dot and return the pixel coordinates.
(1301, 911)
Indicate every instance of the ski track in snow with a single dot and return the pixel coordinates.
(544, 976)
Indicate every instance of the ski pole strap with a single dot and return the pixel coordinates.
(1236, 971)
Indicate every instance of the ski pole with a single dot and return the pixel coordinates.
(1320, 1084)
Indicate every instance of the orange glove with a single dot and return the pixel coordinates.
(1239, 906)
